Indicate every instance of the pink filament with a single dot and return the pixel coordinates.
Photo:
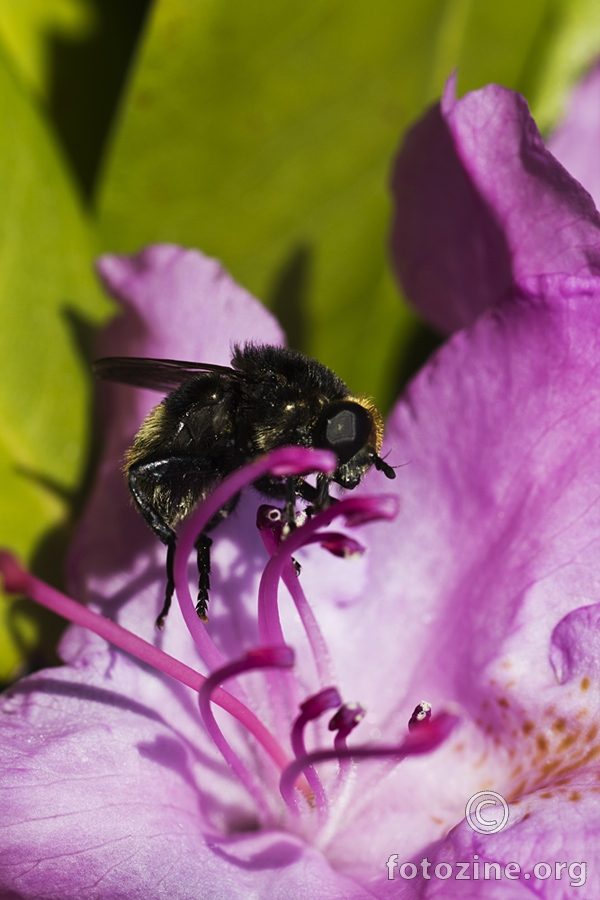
(344, 722)
(263, 657)
(357, 511)
(282, 462)
(19, 581)
(309, 710)
(269, 521)
(424, 740)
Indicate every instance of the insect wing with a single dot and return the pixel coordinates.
(155, 374)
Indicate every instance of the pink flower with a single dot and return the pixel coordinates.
(493, 234)
(479, 597)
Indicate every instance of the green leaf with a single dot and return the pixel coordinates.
(572, 45)
(47, 290)
(264, 134)
(27, 26)
(487, 41)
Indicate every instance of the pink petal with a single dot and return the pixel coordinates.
(499, 532)
(497, 541)
(482, 204)
(110, 791)
(555, 826)
(576, 142)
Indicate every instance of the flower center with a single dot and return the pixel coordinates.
(300, 783)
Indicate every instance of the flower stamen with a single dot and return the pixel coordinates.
(270, 521)
(310, 710)
(425, 739)
(421, 713)
(280, 657)
(344, 722)
(356, 511)
(17, 580)
(282, 462)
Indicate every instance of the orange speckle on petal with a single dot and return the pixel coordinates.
(591, 754)
(550, 767)
(574, 795)
(567, 742)
(520, 789)
(542, 743)
(585, 683)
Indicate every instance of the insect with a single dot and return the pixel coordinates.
(214, 419)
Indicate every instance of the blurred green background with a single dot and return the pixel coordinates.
(263, 134)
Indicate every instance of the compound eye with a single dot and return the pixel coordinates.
(345, 428)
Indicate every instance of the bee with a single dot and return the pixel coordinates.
(215, 419)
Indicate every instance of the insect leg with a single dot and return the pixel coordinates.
(323, 499)
(317, 496)
(203, 544)
(290, 504)
(160, 622)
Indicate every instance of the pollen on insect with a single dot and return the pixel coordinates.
(367, 403)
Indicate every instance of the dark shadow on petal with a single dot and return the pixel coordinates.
(85, 692)
(450, 253)
(91, 694)
(169, 753)
(172, 753)
(280, 854)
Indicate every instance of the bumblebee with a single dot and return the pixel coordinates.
(215, 419)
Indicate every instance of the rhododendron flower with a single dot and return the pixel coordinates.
(472, 614)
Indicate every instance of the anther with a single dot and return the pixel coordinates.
(421, 714)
